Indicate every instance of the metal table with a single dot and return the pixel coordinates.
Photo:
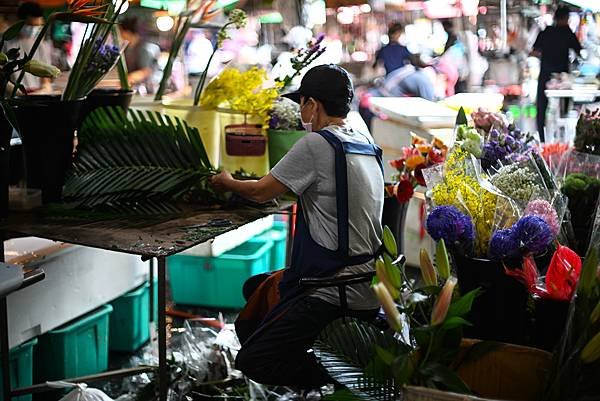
(148, 237)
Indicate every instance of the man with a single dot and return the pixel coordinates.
(33, 16)
(337, 174)
(552, 46)
(393, 55)
(141, 56)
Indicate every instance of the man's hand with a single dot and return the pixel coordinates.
(222, 181)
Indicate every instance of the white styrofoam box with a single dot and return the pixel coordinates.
(226, 242)
(78, 280)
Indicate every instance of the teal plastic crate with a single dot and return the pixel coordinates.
(78, 348)
(129, 326)
(21, 368)
(217, 281)
(278, 235)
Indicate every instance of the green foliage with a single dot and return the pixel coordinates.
(461, 118)
(139, 157)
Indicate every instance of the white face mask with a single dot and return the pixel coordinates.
(307, 126)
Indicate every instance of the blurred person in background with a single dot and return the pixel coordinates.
(33, 16)
(552, 47)
(141, 56)
(393, 55)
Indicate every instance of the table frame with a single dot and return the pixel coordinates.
(245, 216)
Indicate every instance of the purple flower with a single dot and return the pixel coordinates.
(533, 233)
(449, 224)
(546, 211)
(504, 244)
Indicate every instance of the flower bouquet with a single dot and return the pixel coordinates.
(285, 128)
(580, 174)
(415, 158)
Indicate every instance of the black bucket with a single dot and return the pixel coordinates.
(499, 313)
(47, 126)
(550, 321)
(107, 97)
(5, 135)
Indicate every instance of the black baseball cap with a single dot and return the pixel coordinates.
(327, 83)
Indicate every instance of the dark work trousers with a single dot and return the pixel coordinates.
(542, 104)
(280, 354)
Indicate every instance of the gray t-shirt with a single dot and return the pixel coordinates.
(309, 171)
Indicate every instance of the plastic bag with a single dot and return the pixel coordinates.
(580, 182)
(81, 392)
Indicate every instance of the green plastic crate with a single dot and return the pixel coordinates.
(78, 348)
(129, 326)
(277, 234)
(217, 281)
(21, 368)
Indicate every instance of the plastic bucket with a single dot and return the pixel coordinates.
(280, 142)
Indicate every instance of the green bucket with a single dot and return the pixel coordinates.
(280, 142)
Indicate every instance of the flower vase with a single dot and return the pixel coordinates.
(499, 313)
(394, 216)
(206, 120)
(107, 97)
(243, 145)
(550, 321)
(47, 126)
(280, 142)
(5, 135)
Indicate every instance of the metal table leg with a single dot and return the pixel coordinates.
(4, 350)
(151, 282)
(162, 330)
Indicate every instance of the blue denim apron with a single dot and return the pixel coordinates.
(309, 259)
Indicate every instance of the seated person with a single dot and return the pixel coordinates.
(338, 231)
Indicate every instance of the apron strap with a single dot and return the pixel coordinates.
(341, 191)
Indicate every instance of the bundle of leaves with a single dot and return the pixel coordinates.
(140, 159)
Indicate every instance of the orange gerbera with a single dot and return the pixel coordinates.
(90, 8)
(416, 139)
(414, 161)
(423, 148)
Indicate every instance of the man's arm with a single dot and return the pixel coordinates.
(260, 191)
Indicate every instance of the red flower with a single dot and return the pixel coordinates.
(436, 156)
(418, 174)
(563, 274)
(404, 191)
(397, 164)
(527, 274)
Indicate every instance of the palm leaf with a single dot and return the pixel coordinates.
(130, 158)
(347, 351)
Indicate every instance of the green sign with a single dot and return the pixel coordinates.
(172, 6)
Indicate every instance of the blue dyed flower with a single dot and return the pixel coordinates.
(451, 225)
(534, 233)
(504, 244)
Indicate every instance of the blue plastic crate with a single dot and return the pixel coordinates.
(78, 348)
(217, 281)
(278, 235)
(129, 326)
(21, 368)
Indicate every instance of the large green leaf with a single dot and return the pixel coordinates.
(129, 159)
(347, 350)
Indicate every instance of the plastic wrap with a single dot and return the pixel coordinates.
(460, 187)
(580, 182)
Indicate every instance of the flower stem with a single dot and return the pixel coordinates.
(36, 44)
(176, 47)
